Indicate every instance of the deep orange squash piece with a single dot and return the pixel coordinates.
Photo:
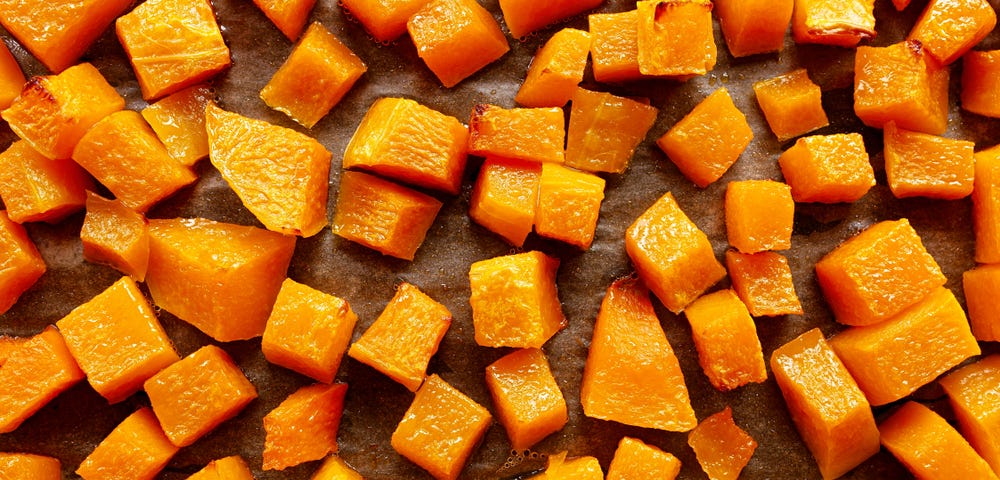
(289, 16)
(526, 16)
(135, 449)
(614, 46)
(792, 104)
(982, 287)
(335, 468)
(227, 468)
(35, 188)
(948, 28)
(22, 265)
(17, 466)
(556, 69)
(754, 26)
(764, 282)
(924, 165)
(527, 398)
(980, 91)
(901, 83)
(505, 197)
(632, 375)
(605, 129)
(115, 235)
(829, 410)
(569, 203)
(971, 390)
(828, 168)
(842, 23)
(537, 134)
(726, 339)
(986, 205)
(721, 447)
(179, 121)
(759, 215)
(636, 460)
(383, 19)
(304, 426)
(456, 38)
(34, 374)
(675, 37)
(558, 467)
(8, 344)
(11, 77)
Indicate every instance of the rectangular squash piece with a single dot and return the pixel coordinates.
(726, 339)
(605, 129)
(792, 104)
(880, 74)
(23, 264)
(179, 122)
(842, 23)
(764, 282)
(456, 38)
(304, 426)
(924, 165)
(34, 374)
(948, 29)
(721, 447)
(384, 20)
(828, 168)
(36, 188)
(986, 205)
(135, 449)
(536, 134)
(289, 16)
(614, 46)
(971, 391)
(505, 197)
(528, 401)
(636, 460)
(675, 37)
(28, 466)
(829, 410)
(759, 215)
(982, 288)
(577, 468)
(115, 235)
(980, 93)
(226, 468)
(11, 77)
(569, 204)
(556, 69)
(335, 468)
(754, 26)
(525, 16)
(8, 344)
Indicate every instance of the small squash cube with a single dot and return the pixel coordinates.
(440, 429)
(675, 37)
(115, 235)
(384, 20)
(529, 403)
(456, 38)
(632, 375)
(901, 83)
(304, 426)
(172, 44)
(605, 129)
(34, 374)
(179, 122)
(308, 331)
(197, 393)
(971, 390)
(986, 205)
(924, 165)
(721, 447)
(842, 23)
(526, 16)
(580, 468)
(947, 29)
(828, 168)
(27, 466)
(289, 16)
(11, 77)
(54, 111)
(23, 265)
(981, 82)
(381, 215)
(982, 288)
(404, 337)
(8, 345)
(335, 468)
(556, 69)
(515, 302)
(759, 215)
(227, 468)
(614, 46)
(708, 140)
(569, 203)
(671, 254)
(505, 197)
(35, 188)
(406, 141)
(792, 104)
(726, 339)
(135, 449)
(537, 134)
(635, 460)
(754, 26)
(764, 282)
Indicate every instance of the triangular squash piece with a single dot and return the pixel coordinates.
(289, 16)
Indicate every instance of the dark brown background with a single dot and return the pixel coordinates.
(74, 423)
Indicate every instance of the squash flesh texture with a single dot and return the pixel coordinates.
(764, 282)
(841, 23)
(528, 400)
(982, 287)
(556, 69)
(116, 235)
(21, 264)
(792, 104)
(920, 164)
(972, 391)
(721, 447)
(828, 168)
(726, 339)
(135, 449)
(34, 374)
(879, 96)
(456, 38)
(335, 468)
(179, 122)
(986, 205)
(228, 468)
(614, 46)
(754, 26)
(635, 460)
(289, 16)
(569, 204)
(26, 465)
(384, 19)
(675, 37)
(759, 215)
(304, 426)
(536, 134)
(35, 188)
(604, 130)
(525, 16)
(11, 77)
(949, 28)
(505, 198)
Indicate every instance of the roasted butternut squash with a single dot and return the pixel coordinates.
(842, 23)
(828, 168)
(880, 74)
(759, 215)
(558, 467)
(537, 134)
(947, 28)
(675, 37)
(456, 38)
(11, 77)
(764, 282)
(986, 205)
(505, 197)
(754, 26)
(970, 391)
(614, 46)
(136, 448)
(528, 401)
(304, 426)
(636, 460)
(526, 16)
(34, 374)
(26, 466)
(982, 287)
(556, 69)
(179, 122)
(227, 468)
(289, 16)
(792, 104)
(721, 447)
(384, 20)
(924, 165)
(35, 188)
(726, 339)
(605, 129)
(980, 91)
(569, 204)
(115, 235)
(335, 468)
(8, 344)
(23, 264)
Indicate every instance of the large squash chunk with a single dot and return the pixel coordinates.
(22, 264)
(505, 197)
(971, 391)
(526, 16)
(754, 26)
(901, 83)
(948, 29)
(456, 38)
(982, 287)
(304, 426)
(555, 70)
(11, 77)
(383, 19)
(569, 203)
(726, 339)
(536, 134)
(614, 46)
(842, 23)
(675, 37)
(981, 82)
(828, 168)
(792, 104)
(636, 460)
(925, 165)
(764, 282)
(527, 398)
(115, 235)
(29, 466)
(219, 277)
(289, 16)
(759, 215)
(986, 205)
(179, 121)
(34, 374)
(35, 188)
(721, 447)
(605, 129)
(135, 449)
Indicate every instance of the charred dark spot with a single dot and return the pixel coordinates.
(915, 46)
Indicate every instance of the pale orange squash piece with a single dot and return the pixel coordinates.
(726, 339)
(764, 282)
(759, 215)
(754, 26)
(456, 38)
(842, 23)
(115, 235)
(982, 287)
(971, 390)
(22, 265)
(632, 375)
(35, 188)
(901, 83)
(34, 374)
(980, 91)
(526, 16)
(11, 77)
(828, 168)
(383, 19)
(17, 466)
(556, 69)
(558, 467)
(614, 46)
(947, 28)
(505, 197)
(924, 165)
(721, 447)
(135, 449)
(289, 16)
(605, 129)
(569, 203)
(792, 104)
(528, 401)
(335, 468)
(675, 37)
(304, 426)
(536, 134)
(986, 205)
(636, 460)
(227, 468)
(179, 121)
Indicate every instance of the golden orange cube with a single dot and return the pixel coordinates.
(842, 23)
(23, 265)
(764, 282)
(759, 215)
(614, 46)
(828, 168)
(11, 77)
(505, 197)
(28, 466)
(536, 134)
(726, 339)
(304, 426)
(569, 203)
(529, 403)
(792, 104)
(980, 92)
(383, 19)
(227, 468)
(289, 16)
(721, 447)
(135, 449)
(675, 37)
(605, 129)
(335, 468)
(34, 374)
(754, 26)
(636, 460)
(924, 165)
(982, 287)
(35, 188)
(115, 235)
(456, 38)
(901, 83)
(986, 205)
(179, 122)
(556, 69)
(8, 345)
(577, 468)
(526, 16)
(970, 390)
(947, 29)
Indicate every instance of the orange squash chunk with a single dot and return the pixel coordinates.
(754, 26)
(172, 44)
(828, 168)
(556, 69)
(721, 447)
(27, 466)
(632, 375)
(57, 32)
(892, 359)
(829, 410)
(135, 449)
(949, 28)
(383, 19)
(982, 288)
(558, 467)
(115, 235)
(440, 429)
(11, 77)
(759, 215)
(614, 46)
(22, 265)
(529, 403)
(219, 277)
(901, 83)
(924, 165)
(569, 203)
(515, 302)
(929, 447)
(227, 468)
(308, 331)
(792, 104)
(54, 111)
(406, 141)
(304, 426)
(280, 175)
(986, 205)
(34, 374)
(764, 282)
(537, 134)
(605, 129)
(8, 345)
(456, 38)
(335, 468)
(404, 337)
(980, 91)
(675, 37)
(381, 215)
(726, 338)
(331, 67)
(525, 16)
(671, 254)
(635, 460)
(708, 140)
(842, 23)
(35, 188)
(197, 393)
(878, 273)
(288, 15)
(179, 122)
(505, 197)
(971, 390)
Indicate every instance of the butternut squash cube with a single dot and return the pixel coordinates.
(179, 122)
(754, 26)
(456, 38)
(505, 197)
(440, 429)
(197, 393)
(635, 460)
(721, 447)
(579, 468)
(35, 188)
(136, 448)
(759, 215)
(675, 37)
(828, 168)
(947, 29)
(289, 16)
(304, 426)
(792, 104)
(986, 205)
(924, 165)
(605, 129)
(29, 466)
(982, 287)
(383, 19)
(227, 468)
(901, 83)
(556, 69)
(569, 203)
(614, 46)
(11, 77)
(529, 403)
(115, 235)
(980, 91)
(515, 302)
(764, 282)
(406, 141)
(308, 331)
(331, 67)
(34, 374)
(971, 390)
(8, 344)
(708, 140)
(536, 134)
(335, 468)
(726, 339)
(526, 16)
(219, 277)
(23, 265)
(842, 23)
(54, 111)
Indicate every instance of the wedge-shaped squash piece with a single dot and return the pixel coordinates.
(829, 410)
(383, 19)
(219, 277)
(947, 29)
(404, 337)
(54, 111)
(289, 16)
(754, 26)
(792, 104)
(456, 38)
(331, 67)
(929, 447)
(671, 254)
(635, 460)
(440, 429)
(556, 69)
(569, 203)
(901, 83)
(404, 140)
(529, 403)
(675, 37)
(980, 91)
(304, 426)
(525, 16)
(726, 339)
(505, 197)
(924, 165)
(764, 282)
(759, 215)
(971, 390)
(197, 393)
(122, 152)
(308, 331)
(632, 375)
(708, 140)
(11, 77)
(35, 188)
(614, 46)
(892, 359)
(136, 448)
(335, 468)
(227, 468)
(605, 129)
(515, 302)
(986, 205)
(558, 467)
(721, 447)
(537, 134)
(982, 288)
(22, 265)
(172, 44)
(34, 374)
(878, 273)
(28, 466)
(383, 216)
(828, 168)
(115, 235)
(843, 23)
(179, 121)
